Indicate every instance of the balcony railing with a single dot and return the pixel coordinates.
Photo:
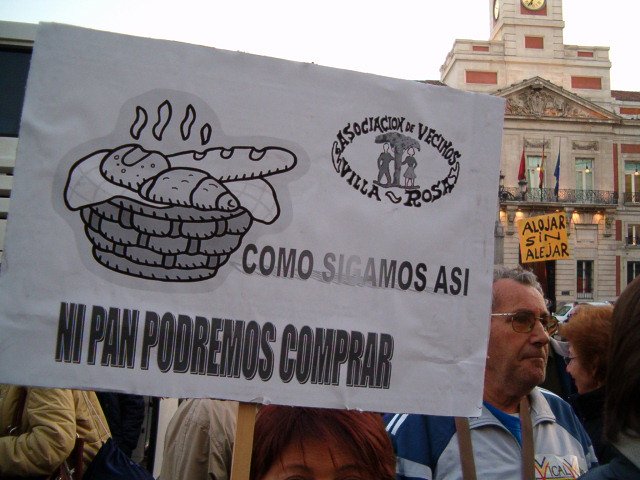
(631, 197)
(548, 195)
(632, 241)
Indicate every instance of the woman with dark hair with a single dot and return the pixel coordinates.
(622, 402)
(320, 444)
(588, 335)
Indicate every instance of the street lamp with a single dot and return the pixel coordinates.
(523, 187)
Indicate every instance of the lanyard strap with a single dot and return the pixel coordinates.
(466, 449)
(528, 454)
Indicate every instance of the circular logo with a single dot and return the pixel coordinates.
(388, 158)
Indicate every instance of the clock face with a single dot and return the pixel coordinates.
(496, 9)
(533, 4)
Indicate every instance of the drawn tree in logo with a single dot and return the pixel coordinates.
(399, 143)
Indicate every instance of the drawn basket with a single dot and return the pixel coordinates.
(173, 243)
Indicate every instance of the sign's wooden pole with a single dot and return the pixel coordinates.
(243, 444)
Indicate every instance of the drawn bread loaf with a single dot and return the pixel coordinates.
(131, 165)
(188, 187)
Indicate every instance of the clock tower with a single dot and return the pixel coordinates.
(526, 41)
(526, 25)
(560, 116)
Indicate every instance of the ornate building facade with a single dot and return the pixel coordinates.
(560, 114)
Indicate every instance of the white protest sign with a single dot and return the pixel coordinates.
(191, 222)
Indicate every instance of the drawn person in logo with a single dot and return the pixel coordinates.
(384, 160)
(410, 172)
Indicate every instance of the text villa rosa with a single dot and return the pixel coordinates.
(223, 347)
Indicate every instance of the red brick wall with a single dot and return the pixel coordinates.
(630, 148)
(525, 11)
(630, 110)
(475, 76)
(592, 83)
(585, 54)
(615, 166)
(534, 42)
(480, 48)
(618, 274)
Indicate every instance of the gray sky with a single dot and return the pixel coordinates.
(401, 38)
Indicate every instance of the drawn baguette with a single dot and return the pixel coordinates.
(236, 163)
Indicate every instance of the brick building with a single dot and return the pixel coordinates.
(560, 109)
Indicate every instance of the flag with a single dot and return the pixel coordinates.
(522, 170)
(556, 174)
(541, 173)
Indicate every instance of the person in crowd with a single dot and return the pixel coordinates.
(125, 415)
(557, 379)
(521, 427)
(622, 397)
(320, 444)
(198, 444)
(587, 336)
(46, 434)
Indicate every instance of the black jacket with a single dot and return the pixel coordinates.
(125, 415)
(620, 468)
(589, 408)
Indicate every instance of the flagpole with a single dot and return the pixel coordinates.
(522, 173)
(556, 172)
(541, 175)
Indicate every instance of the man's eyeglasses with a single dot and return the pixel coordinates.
(523, 322)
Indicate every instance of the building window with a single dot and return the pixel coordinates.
(633, 234)
(633, 270)
(584, 285)
(632, 182)
(533, 171)
(13, 80)
(584, 174)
